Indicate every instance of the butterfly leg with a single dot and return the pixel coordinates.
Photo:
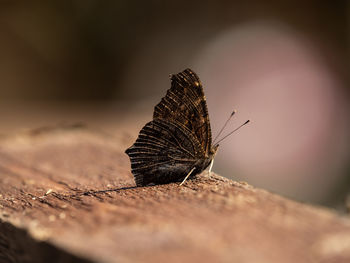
(211, 166)
(187, 176)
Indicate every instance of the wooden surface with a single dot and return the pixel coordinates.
(52, 209)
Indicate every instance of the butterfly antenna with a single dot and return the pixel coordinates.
(232, 132)
(223, 127)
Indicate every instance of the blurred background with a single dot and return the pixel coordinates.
(282, 64)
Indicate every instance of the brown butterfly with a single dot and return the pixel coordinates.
(177, 143)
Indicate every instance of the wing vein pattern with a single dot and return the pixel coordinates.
(153, 158)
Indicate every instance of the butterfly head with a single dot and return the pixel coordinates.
(213, 150)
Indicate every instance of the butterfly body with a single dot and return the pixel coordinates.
(178, 139)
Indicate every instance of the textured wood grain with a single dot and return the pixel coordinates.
(51, 206)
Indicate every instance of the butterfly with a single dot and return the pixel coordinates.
(177, 143)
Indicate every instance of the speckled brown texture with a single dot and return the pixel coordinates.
(48, 184)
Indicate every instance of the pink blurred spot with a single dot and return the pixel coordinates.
(276, 78)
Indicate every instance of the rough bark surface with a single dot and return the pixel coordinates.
(53, 209)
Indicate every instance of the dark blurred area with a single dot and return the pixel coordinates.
(284, 64)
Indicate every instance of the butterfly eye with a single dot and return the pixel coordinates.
(214, 149)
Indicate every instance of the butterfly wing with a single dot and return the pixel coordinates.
(163, 152)
(185, 104)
